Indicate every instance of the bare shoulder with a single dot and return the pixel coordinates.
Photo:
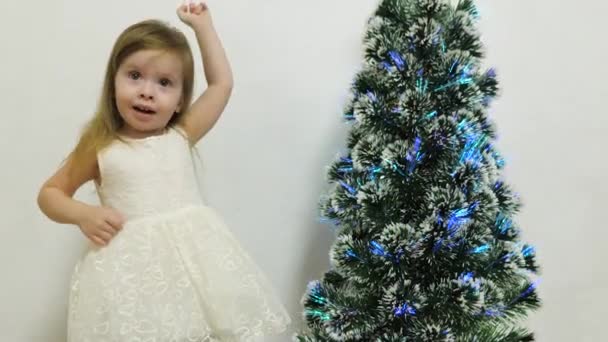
(70, 177)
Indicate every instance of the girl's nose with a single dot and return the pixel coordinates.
(147, 91)
(146, 96)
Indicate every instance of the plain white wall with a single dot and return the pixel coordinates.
(264, 163)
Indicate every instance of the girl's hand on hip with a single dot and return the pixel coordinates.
(100, 224)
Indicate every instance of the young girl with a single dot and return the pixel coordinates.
(161, 265)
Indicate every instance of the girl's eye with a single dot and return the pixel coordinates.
(134, 75)
(165, 82)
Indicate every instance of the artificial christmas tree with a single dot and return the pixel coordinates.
(427, 248)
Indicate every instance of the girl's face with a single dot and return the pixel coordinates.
(148, 87)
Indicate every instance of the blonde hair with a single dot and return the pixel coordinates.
(103, 128)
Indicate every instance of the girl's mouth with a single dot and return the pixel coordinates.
(144, 110)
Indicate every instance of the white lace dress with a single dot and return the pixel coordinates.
(175, 273)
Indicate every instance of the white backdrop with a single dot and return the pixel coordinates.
(264, 163)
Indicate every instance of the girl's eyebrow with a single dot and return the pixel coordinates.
(130, 65)
(169, 75)
(163, 74)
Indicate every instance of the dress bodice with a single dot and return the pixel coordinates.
(148, 176)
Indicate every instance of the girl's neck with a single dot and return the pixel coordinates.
(129, 133)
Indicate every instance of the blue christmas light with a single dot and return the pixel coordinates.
(377, 249)
(506, 257)
(413, 156)
(400, 252)
(404, 310)
(327, 220)
(458, 217)
(464, 126)
(472, 152)
(529, 290)
(465, 73)
(395, 167)
(351, 254)
(454, 63)
(486, 100)
(463, 78)
(474, 12)
(500, 162)
(528, 251)
(493, 312)
(349, 188)
(437, 245)
(345, 169)
(324, 316)
(316, 293)
(373, 171)
(422, 85)
(371, 96)
(466, 277)
(411, 45)
(437, 36)
(525, 293)
(397, 60)
(480, 249)
(385, 66)
(335, 210)
(503, 223)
